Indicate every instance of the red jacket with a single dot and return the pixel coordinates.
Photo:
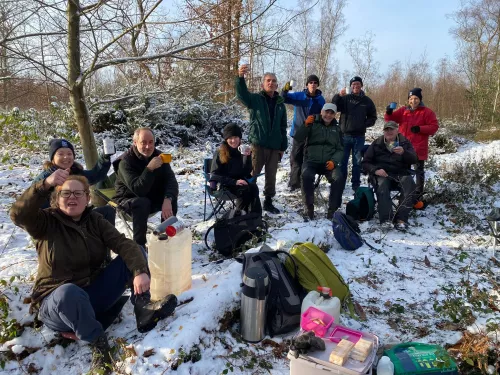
(423, 117)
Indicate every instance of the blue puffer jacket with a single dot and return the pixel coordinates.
(304, 105)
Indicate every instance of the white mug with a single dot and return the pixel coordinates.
(244, 149)
(292, 83)
(109, 146)
(347, 90)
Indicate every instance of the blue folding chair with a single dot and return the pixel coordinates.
(217, 197)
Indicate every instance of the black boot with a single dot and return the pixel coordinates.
(268, 206)
(310, 211)
(147, 313)
(101, 356)
(330, 213)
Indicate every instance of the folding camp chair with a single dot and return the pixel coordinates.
(106, 191)
(217, 198)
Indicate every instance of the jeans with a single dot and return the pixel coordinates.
(335, 178)
(354, 146)
(385, 185)
(71, 308)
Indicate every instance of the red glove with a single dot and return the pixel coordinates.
(330, 165)
(309, 120)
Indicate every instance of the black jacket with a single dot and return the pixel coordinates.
(239, 167)
(358, 112)
(133, 179)
(379, 157)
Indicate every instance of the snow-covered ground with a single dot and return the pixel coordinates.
(396, 284)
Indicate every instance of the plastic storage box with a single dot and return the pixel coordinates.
(316, 320)
(340, 333)
(316, 363)
(414, 358)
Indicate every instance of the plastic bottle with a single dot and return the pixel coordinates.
(323, 300)
(385, 366)
(174, 228)
(160, 229)
(169, 260)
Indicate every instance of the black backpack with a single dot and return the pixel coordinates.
(284, 300)
(232, 232)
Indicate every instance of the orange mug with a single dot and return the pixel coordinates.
(166, 158)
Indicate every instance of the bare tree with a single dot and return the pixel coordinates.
(362, 52)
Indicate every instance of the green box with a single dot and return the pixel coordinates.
(414, 358)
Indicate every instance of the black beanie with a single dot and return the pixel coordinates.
(231, 130)
(57, 143)
(311, 78)
(417, 91)
(356, 79)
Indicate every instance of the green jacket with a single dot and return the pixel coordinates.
(324, 143)
(261, 131)
(70, 251)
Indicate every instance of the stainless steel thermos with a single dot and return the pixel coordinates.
(255, 288)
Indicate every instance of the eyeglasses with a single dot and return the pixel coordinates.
(76, 193)
(313, 82)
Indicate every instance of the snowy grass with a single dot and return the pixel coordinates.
(407, 286)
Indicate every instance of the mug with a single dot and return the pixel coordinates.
(292, 83)
(166, 158)
(347, 90)
(245, 149)
(393, 105)
(109, 146)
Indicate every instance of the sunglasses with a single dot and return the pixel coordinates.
(76, 193)
(313, 82)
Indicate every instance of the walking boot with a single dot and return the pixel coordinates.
(102, 362)
(147, 313)
(269, 207)
(310, 211)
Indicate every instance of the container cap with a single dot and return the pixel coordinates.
(171, 231)
(324, 291)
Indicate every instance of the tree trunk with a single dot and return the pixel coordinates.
(75, 84)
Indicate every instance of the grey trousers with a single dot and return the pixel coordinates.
(262, 156)
(407, 198)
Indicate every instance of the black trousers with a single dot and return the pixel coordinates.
(140, 208)
(108, 212)
(335, 178)
(385, 185)
(420, 177)
(296, 161)
(248, 197)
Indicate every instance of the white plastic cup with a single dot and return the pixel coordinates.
(244, 149)
(109, 146)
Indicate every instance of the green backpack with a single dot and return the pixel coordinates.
(362, 207)
(316, 269)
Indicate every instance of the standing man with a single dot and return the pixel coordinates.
(267, 130)
(358, 113)
(305, 103)
(144, 184)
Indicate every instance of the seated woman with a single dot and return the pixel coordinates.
(62, 164)
(233, 170)
(71, 286)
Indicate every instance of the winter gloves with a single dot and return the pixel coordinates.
(306, 342)
(287, 86)
(388, 110)
(309, 120)
(415, 129)
(330, 165)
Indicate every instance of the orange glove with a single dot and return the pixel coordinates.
(309, 120)
(330, 165)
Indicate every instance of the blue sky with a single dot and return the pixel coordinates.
(404, 30)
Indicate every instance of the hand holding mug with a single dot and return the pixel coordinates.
(398, 150)
(342, 91)
(243, 69)
(155, 163)
(245, 149)
(57, 178)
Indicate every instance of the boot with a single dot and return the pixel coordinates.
(147, 313)
(269, 207)
(102, 362)
(310, 211)
(330, 213)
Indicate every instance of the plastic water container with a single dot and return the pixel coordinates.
(169, 261)
(385, 366)
(322, 300)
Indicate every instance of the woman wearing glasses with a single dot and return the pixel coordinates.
(72, 286)
(61, 164)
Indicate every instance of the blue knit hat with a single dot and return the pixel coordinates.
(57, 143)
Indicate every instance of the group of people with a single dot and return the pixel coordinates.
(320, 145)
(77, 286)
